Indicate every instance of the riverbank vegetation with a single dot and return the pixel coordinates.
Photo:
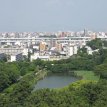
(87, 75)
(17, 81)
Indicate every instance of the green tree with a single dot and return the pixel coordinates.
(95, 44)
(101, 70)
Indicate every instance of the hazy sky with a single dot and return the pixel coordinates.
(53, 15)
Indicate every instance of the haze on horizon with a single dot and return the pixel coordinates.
(52, 15)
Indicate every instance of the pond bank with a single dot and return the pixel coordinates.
(86, 75)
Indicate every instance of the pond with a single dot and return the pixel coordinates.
(55, 81)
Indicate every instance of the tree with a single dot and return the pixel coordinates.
(101, 70)
(4, 81)
(95, 44)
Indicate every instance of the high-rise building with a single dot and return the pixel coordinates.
(58, 47)
(42, 46)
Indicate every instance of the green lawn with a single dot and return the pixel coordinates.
(87, 75)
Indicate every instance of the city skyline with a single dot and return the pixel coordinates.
(52, 15)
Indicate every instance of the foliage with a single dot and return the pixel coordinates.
(101, 70)
(8, 75)
(79, 94)
(87, 75)
(95, 44)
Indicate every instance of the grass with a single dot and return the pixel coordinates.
(87, 75)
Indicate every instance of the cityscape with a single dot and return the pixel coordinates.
(53, 53)
(44, 45)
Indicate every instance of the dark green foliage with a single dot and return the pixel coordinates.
(80, 63)
(95, 44)
(102, 100)
(101, 70)
(82, 52)
(25, 67)
(11, 72)
(103, 54)
(4, 81)
(8, 75)
(52, 98)
(16, 95)
(4, 59)
(105, 43)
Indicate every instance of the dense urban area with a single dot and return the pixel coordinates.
(44, 45)
(26, 58)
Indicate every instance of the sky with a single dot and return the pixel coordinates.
(52, 15)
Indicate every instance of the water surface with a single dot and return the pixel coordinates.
(55, 81)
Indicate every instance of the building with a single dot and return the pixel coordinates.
(75, 49)
(90, 51)
(70, 50)
(9, 51)
(58, 47)
(25, 51)
(42, 46)
(36, 56)
(16, 57)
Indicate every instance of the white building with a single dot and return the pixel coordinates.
(9, 51)
(90, 51)
(70, 50)
(16, 57)
(37, 56)
(18, 43)
(36, 47)
(75, 49)
(25, 51)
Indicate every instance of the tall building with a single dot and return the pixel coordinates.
(42, 46)
(75, 49)
(70, 50)
(58, 47)
(94, 36)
